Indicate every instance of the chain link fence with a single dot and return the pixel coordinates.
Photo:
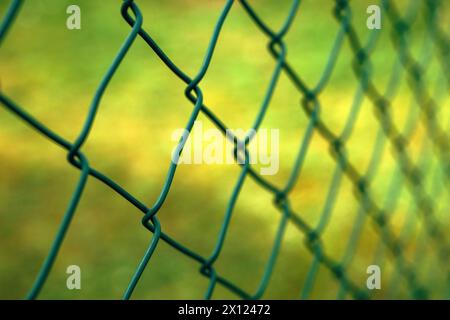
(425, 111)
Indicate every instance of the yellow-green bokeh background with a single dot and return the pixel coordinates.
(53, 72)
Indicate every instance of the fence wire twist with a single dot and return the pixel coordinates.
(423, 109)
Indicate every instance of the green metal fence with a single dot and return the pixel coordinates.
(425, 110)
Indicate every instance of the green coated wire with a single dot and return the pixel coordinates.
(333, 190)
(377, 153)
(408, 173)
(9, 18)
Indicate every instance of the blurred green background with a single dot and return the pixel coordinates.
(53, 73)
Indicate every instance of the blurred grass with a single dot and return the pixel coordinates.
(53, 73)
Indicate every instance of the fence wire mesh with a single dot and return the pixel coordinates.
(426, 109)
